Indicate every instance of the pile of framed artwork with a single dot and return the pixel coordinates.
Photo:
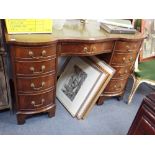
(81, 83)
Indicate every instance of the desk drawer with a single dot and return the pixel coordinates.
(83, 49)
(123, 58)
(102, 47)
(122, 71)
(34, 84)
(35, 101)
(34, 53)
(31, 68)
(115, 85)
(127, 46)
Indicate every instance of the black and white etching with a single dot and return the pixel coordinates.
(72, 87)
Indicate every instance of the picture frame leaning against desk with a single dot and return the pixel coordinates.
(81, 83)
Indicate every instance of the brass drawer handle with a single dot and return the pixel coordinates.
(85, 49)
(117, 87)
(120, 72)
(124, 59)
(127, 46)
(130, 50)
(39, 88)
(43, 54)
(31, 54)
(38, 105)
(126, 71)
(93, 49)
(43, 67)
(131, 59)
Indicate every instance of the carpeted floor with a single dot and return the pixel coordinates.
(112, 118)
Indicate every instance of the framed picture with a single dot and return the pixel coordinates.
(147, 27)
(80, 83)
(4, 103)
(102, 83)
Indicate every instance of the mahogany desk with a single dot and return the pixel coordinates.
(34, 62)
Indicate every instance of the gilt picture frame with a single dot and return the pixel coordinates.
(79, 84)
(102, 83)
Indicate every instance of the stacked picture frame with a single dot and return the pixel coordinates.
(81, 83)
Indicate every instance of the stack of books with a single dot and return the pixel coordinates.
(118, 26)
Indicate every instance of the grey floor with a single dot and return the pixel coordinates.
(112, 118)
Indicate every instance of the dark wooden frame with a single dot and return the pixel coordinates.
(144, 121)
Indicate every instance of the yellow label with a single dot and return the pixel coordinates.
(29, 26)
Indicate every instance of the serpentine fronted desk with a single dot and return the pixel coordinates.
(34, 61)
